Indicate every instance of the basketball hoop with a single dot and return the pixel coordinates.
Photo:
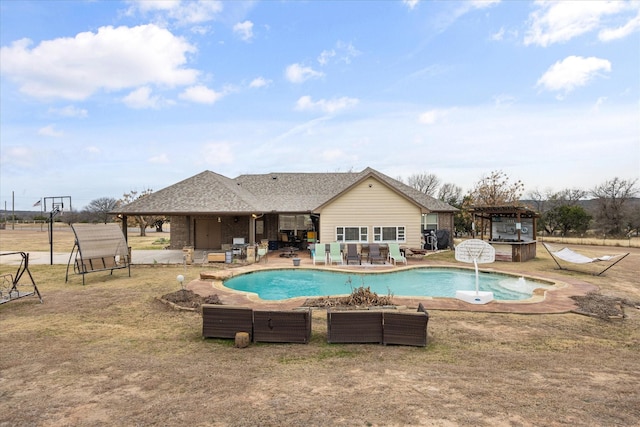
(477, 252)
(57, 207)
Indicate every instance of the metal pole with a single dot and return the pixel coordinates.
(51, 236)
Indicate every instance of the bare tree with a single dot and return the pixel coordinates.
(571, 196)
(553, 207)
(451, 194)
(99, 208)
(426, 183)
(612, 197)
(495, 189)
(140, 220)
(634, 221)
(540, 198)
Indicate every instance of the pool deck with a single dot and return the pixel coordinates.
(554, 301)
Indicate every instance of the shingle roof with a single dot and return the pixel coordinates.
(209, 192)
(203, 193)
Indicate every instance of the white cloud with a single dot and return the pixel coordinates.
(159, 159)
(433, 116)
(557, 22)
(141, 98)
(201, 95)
(327, 106)
(201, 30)
(259, 82)
(92, 149)
(244, 30)
(499, 35)
(572, 72)
(342, 52)
(332, 155)
(445, 20)
(182, 12)
(620, 32)
(411, 4)
(20, 156)
(217, 153)
(69, 111)
(154, 5)
(297, 73)
(325, 55)
(503, 100)
(111, 59)
(600, 102)
(50, 130)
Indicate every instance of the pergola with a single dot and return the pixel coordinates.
(512, 230)
(491, 213)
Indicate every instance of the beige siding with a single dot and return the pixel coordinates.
(370, 204)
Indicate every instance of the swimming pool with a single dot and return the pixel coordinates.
(432, 282)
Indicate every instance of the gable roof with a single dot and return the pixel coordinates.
(211, 193)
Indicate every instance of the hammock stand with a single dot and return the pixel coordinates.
(573, 257)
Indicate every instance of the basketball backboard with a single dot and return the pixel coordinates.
(475, 250)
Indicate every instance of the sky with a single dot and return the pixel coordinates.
(100, 98)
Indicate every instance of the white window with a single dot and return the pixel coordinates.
(389, 234)
(429, 221)
(352, 234)
(295, 222)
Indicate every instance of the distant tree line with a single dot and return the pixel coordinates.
(611, 208)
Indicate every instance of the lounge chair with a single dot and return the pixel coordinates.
(319, 255)
(573, 257)
(335, 254)
(374, 253)
(352, 253)
(395, 255)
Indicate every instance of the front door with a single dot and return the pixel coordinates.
(207, 234)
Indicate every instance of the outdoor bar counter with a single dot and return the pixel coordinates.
(514, 251)
(512, 231)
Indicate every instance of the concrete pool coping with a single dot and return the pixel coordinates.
(548, 301)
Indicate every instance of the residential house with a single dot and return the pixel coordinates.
(208, 211)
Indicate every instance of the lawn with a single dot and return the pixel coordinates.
(109, 353)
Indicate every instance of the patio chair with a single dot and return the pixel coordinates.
(352, 253)
(335, 254)
(374, 253)
(319, 255)
(395, 255)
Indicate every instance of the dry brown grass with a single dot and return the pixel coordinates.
(109, 353)
(36, 238)
(632, 242)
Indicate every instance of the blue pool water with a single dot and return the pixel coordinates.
(434, 282)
